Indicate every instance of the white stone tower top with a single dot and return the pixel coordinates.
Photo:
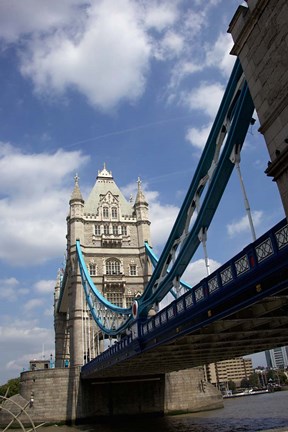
(104, 173)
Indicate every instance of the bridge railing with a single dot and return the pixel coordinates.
(254, 263)
(254, 257)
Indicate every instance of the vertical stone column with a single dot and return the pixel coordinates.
(76, 318)
(61, 339)
(260, 34)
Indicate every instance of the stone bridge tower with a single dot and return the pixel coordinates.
(260, 34)
(112, 232)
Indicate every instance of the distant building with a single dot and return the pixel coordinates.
(277, 358)
(229, 370)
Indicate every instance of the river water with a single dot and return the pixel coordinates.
(243, 414)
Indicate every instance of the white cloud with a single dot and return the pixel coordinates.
(124, 36)
(219, 54)
(21, 330)
(198, 136)
(18, 18)
(162, 216)
(206, 97)
(49, 312)
(242, 225)
(34, 203)
(44, 286)
(22, 336)
(7, 288)
(33, 304)
(171, 46)
(115, 71)
(162, 219)
(160, 14)
(197, 270)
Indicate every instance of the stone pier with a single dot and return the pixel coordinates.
(60, 396)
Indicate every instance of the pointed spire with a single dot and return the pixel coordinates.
(76, 194)
(140, 198)
(105, 173)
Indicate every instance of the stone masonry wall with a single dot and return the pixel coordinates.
(260, 34)
(54, 392)
(60, 396)
(186, 391)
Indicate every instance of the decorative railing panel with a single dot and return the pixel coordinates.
(264, 250)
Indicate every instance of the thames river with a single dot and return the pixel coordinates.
(243, 414)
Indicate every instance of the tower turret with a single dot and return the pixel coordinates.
(75, 218)
(142, 216)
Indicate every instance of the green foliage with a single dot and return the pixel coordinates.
(231, 385)
(245, 383)
(254, 380)
(13, 386)
(277, 376)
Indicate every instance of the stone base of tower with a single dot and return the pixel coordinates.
(59, 395)
(186, 391)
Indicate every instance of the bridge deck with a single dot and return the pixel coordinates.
(240, 309)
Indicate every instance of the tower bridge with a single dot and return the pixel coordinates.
(108, 291)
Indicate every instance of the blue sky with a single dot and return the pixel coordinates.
(135, 84)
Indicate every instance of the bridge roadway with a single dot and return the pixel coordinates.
(241, 308)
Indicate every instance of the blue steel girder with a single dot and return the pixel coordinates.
(207, 163)
(110, 318)
(154, 260)
(161, 282)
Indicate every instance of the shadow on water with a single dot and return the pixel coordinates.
(246, 414)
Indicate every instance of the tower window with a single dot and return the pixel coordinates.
(105, 212)
(133, 270)
(114, 212)
(92, 269)
(129, 301)
(112, 267)
(115, 297)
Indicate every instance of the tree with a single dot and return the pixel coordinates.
(11, 388)
(254, 380)
(231, 385)
(245, 383)
(277, 376)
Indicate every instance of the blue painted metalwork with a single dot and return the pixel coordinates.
(218, 132)
(161, 283)
(109, 317)
(154, 260)
(258, 271)
(213, 172)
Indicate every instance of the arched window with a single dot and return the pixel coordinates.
(112, 267)
(115, 230)
(105, 212)
(114, 212)
(106, 229)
